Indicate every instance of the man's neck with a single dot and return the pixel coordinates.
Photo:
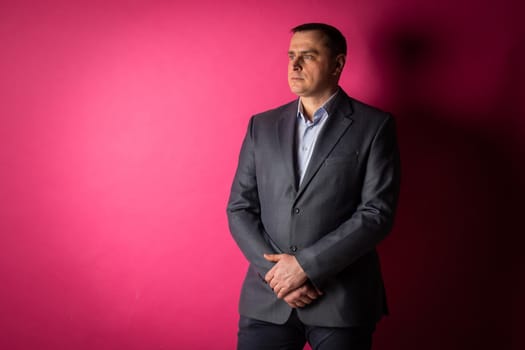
(313, 103)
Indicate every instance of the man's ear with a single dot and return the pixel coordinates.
(340, 61)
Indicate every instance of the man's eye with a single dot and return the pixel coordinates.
(308, 57)
(291, 57)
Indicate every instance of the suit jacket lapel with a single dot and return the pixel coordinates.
(338, 122)
(286, 131)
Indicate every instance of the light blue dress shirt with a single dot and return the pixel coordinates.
(307, 133)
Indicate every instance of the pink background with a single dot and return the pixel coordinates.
(120, 127)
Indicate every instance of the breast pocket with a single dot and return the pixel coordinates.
(340, 176)
(342, 159)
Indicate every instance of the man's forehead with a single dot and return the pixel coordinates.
(307, 40)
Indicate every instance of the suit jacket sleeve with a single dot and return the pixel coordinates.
(244, 209)
(372, 220)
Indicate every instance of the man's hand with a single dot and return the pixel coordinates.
(286, 275)
(302, 296)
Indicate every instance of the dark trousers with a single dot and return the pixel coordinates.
(293, 335)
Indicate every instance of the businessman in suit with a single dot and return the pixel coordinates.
(315, 191)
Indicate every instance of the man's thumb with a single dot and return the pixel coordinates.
(272, 257)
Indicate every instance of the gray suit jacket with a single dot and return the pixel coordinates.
(332, 222)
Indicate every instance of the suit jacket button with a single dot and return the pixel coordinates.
(293, 248)
(297, 210)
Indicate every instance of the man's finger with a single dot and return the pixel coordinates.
(272, 284)
(312, 294)
(292, 296)
(305, 300)
(269, 275)
(283, 292)
(299, 303)
(292, 305)
(277, 289)
(305, 294)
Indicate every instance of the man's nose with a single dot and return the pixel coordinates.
(296, 63)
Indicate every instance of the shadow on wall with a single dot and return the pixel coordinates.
(459, 282)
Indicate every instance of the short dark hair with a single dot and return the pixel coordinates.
(335, 40)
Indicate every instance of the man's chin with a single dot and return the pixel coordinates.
(296, 90)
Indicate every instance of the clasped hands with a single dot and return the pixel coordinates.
(289, 281)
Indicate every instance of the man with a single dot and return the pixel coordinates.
(315, 191)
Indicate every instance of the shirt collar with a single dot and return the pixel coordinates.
(319, 112)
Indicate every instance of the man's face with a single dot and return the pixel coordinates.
(312, 70)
